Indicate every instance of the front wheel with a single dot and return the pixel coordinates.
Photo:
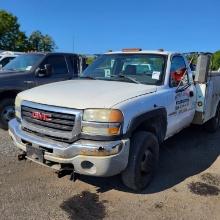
(7, 112)
(143, 159)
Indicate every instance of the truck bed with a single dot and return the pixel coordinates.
(208, 96)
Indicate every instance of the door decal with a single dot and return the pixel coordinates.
(182, 102)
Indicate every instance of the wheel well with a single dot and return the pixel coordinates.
(157, 126)
(154, 122)
(8, 94)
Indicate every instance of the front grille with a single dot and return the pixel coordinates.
(51, 122)
(56, 121)
(59, 139)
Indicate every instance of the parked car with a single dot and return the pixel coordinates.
(6, 57)
(34, 69)
(113, 120)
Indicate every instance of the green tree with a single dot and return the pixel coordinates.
(90, 59)
(21, 43)
(47, 43)
(192, 58)
(11, 38)
(9, 31)
(35, 41)
(216, 60)
(40, 42)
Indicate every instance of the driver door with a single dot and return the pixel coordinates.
(182, 96)
(59, 70)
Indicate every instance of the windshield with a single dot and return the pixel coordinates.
(136, 68)
(23, 62)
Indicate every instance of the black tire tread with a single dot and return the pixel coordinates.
(3, 103)
(137, 141)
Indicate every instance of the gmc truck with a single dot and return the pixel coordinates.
(34, 69)
(113, 119)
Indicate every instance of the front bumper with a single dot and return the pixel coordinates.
(106, 158)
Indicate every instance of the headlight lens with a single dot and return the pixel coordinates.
(18, 101)
(103, 115)
(104, 122)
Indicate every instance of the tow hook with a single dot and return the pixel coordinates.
(22, 156)
(63, 172)
(73, 176)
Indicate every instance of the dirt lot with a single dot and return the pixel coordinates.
(187, 186)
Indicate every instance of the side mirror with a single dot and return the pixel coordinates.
(48, 69)
(44, 72)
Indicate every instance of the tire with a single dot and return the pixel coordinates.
(7, 112)
(143, 160)
(214, 123)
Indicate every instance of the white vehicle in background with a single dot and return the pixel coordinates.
(7, 56)
(112, 120)
(141, 68)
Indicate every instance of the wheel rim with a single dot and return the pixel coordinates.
(8, 113)
(146, 168)
(147, 163)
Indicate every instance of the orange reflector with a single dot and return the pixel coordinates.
(115, 116)
(114, 131)
(131, 49)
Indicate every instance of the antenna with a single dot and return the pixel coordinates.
(73, 43)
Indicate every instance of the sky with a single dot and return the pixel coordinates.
(96, 26)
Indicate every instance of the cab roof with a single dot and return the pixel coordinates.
(55, 53)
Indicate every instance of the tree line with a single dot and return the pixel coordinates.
(216, 60)
(13, 39)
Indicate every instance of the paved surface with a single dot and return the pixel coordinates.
(187, 186)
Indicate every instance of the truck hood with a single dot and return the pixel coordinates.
(82, 94)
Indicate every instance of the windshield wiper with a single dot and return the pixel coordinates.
(130, 78)
(126, 77)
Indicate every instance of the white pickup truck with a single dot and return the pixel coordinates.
(113, 119)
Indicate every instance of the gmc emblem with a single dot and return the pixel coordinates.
(41, 116)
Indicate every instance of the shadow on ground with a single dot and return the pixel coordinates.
(187, 153)
(85, 205)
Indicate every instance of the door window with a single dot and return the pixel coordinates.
(178, 72)
(58, 64)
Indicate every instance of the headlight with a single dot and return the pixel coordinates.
(18, 101)
(105, 122)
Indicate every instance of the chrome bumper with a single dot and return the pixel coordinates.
(108, 158)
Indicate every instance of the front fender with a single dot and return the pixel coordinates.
(153, 120)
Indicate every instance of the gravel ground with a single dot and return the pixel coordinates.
(186, 186)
